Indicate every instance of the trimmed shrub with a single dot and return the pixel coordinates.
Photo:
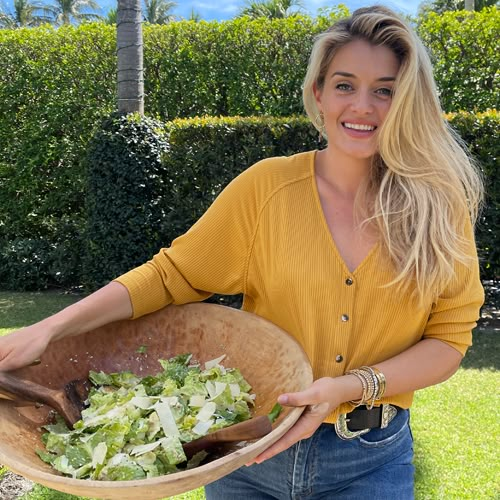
(466, 56)
(480, 132)
(125, 193)
(148, 182)
(55, 85)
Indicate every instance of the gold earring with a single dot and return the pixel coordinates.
(319, 121)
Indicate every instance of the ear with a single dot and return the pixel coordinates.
(317, 95)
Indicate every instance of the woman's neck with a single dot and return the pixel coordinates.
(342, 173)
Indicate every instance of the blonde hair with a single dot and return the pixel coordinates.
(423, 186)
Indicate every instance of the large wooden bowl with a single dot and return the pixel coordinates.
(270, 359)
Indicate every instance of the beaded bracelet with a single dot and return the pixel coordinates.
(373, 382)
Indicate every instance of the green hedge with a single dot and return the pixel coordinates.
(481, 133)
(56, 85)
(126, 190)
(465, 52)
(149, 182)
(136, 207)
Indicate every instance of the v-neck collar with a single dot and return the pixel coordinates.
(321, 214)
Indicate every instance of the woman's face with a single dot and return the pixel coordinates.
(356, 97)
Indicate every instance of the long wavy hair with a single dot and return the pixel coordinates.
(423, 189)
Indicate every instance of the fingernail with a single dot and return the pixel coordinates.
(283, 399)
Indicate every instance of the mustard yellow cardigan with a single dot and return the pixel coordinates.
(266, 236)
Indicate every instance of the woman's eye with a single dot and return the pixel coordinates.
(385, 92)
(343, 86)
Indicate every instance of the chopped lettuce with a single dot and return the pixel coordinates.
(134, 427)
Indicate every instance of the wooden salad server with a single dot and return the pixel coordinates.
(253, 428)
(68, 401)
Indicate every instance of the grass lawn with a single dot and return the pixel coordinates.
(456, 425)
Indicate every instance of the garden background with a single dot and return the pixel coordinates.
(86, 194)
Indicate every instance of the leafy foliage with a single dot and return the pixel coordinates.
(125, 193)
(273, 9)
(25, 14)
(137, 203)
(442, 6)
(158, 11)
(465, 51)
(480, 132)
(64, 12)
(48, 109)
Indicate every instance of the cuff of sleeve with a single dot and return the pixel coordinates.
(144, 297)
(460, 342)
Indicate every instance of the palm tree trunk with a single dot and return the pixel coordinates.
(130, 59)
(469, 5)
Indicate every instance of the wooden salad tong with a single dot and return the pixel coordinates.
(68, 401)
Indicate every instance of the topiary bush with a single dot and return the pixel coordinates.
(480, 132)
(148, 182)
(465, 52)
(126, 188)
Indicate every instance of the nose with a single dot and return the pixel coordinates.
(362, 103)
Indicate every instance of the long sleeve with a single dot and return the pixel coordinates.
(266, 236)
(212, 257)
(455, 312)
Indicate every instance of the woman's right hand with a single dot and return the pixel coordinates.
(22, 347)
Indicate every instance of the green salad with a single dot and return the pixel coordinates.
(134, 427)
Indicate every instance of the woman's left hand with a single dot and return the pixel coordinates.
(319, 400)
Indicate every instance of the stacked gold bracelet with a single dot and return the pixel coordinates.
(373, 382)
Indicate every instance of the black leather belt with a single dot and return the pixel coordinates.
(361, 420)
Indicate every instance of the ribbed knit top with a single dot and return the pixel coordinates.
(266, 236)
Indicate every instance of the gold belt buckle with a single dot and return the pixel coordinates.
(343, 432)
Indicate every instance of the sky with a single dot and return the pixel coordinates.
(220, 10)
(226, 9)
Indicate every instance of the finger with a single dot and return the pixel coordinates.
(303, 428)
(303, 398)
(319, 391)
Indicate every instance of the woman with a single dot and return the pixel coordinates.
(363, 251)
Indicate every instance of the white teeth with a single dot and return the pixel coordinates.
(357, 126)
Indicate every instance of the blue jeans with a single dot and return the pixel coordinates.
(377, 465)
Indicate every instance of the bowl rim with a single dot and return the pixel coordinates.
(250, 451)
(216, 468)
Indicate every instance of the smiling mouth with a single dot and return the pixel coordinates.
(359, 126)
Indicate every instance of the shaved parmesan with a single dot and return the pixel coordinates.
(99, 454)
(167, 420)
(235, 390)
(201, 428)
(142, 402)
(144, 448)
(214, 362)
(197, 400)
(206, 412)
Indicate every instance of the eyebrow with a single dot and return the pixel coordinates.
(350, 75)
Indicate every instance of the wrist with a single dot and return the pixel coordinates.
(53, 327)
(347, 388)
